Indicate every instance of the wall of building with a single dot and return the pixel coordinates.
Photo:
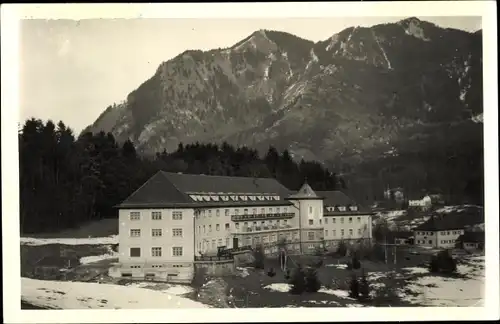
(166, 241)
(347, 227)
(426, 238)
(217, 268)
(447, 239)
(214, 227)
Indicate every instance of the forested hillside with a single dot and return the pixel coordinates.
(67, 181)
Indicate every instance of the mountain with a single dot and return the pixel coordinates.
(359, 96)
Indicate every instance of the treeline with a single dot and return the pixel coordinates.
(67, 180)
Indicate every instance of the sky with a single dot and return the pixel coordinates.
(71, 70)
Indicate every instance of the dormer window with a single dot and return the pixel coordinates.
(276, 197)
(224, 198)
(244, 198)
(260, 197)
(252, 198)
(341, 208)
(234, 198)
(354, 208)
(206, 198)
(214, 198)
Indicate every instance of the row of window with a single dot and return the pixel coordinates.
(157, 266)
(351, 232)
(155, 251)
(450, 232)
(447, 241)
(156, 232)
(204, 228)
(334, 220)
(423, 242)
(208, 212)
(155, 215)
(342, 208)
(206, 244)
(233, 197)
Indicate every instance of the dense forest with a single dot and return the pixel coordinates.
(67, 180)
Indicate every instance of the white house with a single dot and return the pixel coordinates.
(424, 203)
(438, 232)
(173, 218)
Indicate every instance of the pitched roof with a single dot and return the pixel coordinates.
(452, 220)
(305, 192)
(165, 189)
(334, 198)
(472, 237)
(191, 183)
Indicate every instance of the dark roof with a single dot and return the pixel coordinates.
(166, 189)
(190, 183)
(338, 198)
(305, 192)
(472, 237)
(452, 220)
(402, 234)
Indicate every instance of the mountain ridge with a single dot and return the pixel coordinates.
(336, 99)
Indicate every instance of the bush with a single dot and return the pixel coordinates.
(298, 282)
(354, 287)
(443, 262)
(259, 257)
(355, 262)
(342, 249)
(312, 282)
(364, 288)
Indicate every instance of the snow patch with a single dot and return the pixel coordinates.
(477, 118)
(97, 258)
(338, 266)
(336, 292)
(279, 287)
(113, 239)
(82, 295)
(414, 29)
(382, 50)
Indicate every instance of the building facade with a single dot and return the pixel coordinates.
(174, 218)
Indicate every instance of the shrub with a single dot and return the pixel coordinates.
(342, 249)
(298, 282)
(443, 262)
(355, 262)
(364, 288)
(354, 287)
(312, 282)
(259, 257)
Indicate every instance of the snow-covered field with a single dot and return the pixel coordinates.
(70, 241)
(80, 295)
(96, 258)
(434, 290)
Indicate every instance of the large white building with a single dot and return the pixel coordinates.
(172, 218)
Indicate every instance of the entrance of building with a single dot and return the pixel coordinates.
(235, 243)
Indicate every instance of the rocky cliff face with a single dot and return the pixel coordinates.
(363, 92)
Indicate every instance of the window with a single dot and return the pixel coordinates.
(219, 242)
(245, 211)
(156, 251)
(135, 232)
(135, 252)
(177, 215)
(209, 213)
(350, 232)
(254, 224)
(350, 219)
(237, 225)
(217, 227)
(254, 211)
(226, 212)
(204, 229)
(284, 221)
(156, 215)
(359, 219)
(326, 232)
(333, 220)
(277, 209)
(320, 221)
(334, 233)
(359, 231)
(217, 213)
(248, 241)
(236, 211)
(273, 238)
(262, 211)
(342, 232)
(177, 251)
(270, 210)
(310, 210)
(310, 236)
(135, 216)
(177, 232)
(209, 228)
(155, 232)
(285, 209)
(256, 240)
(227, 226)
(341, 220)
(213, 244)
(265, 239)
(245, 224)
(326, 221)
(311, 222)
(430, 241)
